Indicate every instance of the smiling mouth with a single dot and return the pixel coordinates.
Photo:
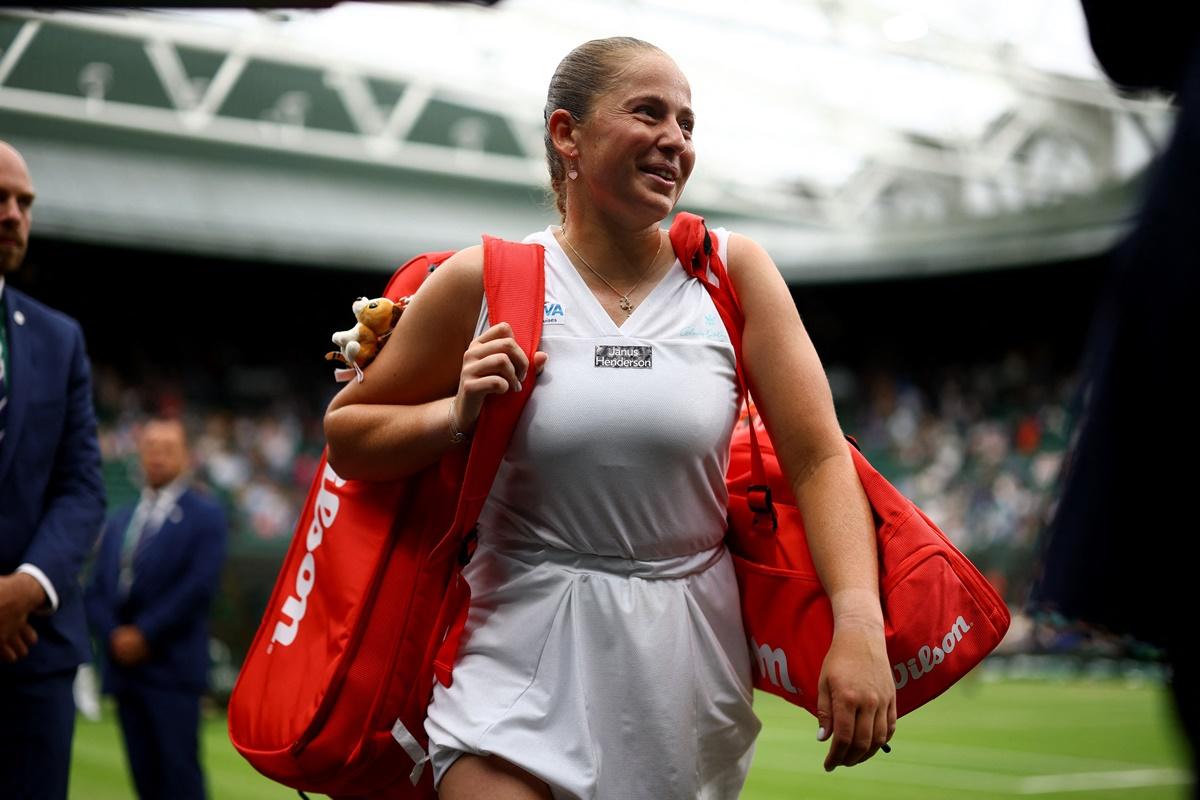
(661, 172)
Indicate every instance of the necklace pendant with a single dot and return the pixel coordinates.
(626, 306)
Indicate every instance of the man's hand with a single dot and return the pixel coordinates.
(20, 594)
(17, 646)
(128, 646)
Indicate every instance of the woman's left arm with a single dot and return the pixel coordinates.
(857, 697)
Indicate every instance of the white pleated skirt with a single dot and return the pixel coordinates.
(607, 678)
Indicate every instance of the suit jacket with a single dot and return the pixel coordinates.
(1118, 552)
(176, 569)
(51, 491)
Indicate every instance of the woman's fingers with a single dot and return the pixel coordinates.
(493, 364)
(507, 346)
(501, 331)
(498, 365)
(864, 735)
(859, 730)
(880, 732)
(843, 733)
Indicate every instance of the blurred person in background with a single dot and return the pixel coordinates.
(1121, 544)
(588, 587)
(51, 508)
(148, 601)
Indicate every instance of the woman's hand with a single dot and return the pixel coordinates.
(493, 364)
(856, 696)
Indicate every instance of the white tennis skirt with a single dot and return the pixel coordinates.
(605, 677)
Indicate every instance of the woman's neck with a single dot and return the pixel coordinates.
(622, 255)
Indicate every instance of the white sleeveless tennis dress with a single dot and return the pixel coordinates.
(604, 650)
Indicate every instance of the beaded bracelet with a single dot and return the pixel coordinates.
(456, 436)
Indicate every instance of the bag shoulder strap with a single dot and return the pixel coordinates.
(698, 249)
(514, 282)
(409, 276)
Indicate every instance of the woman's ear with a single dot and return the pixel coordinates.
(563, 130)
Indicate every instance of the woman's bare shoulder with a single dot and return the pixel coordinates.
(465, 266)
(743, 250)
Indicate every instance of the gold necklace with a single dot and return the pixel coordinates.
(624, 302)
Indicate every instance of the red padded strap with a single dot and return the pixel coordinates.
(455, 607)
(698, 249)
(514, 281)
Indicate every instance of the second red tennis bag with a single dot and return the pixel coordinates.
(941, 616)
(370, 600)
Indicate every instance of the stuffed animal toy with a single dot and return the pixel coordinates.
(359, 345)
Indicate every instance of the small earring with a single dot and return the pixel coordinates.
(572, 173)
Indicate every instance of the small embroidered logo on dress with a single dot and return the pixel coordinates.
(713, 329)
(619, 357)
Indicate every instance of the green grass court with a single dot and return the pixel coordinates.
(984, 739)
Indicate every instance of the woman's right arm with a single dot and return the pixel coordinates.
(397, 420)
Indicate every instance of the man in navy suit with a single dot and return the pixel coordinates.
(51, 508)
(148, 601)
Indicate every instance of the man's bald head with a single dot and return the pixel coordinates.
(16, 207)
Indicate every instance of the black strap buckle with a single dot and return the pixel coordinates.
(466, 550)
(758, 498)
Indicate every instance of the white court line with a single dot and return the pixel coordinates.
(1093, 781)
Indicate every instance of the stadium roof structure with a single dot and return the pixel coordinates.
(853, 138)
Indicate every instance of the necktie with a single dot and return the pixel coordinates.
(133, 537)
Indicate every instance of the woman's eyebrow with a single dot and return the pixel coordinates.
(660, 100)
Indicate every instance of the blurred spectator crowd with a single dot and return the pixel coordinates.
(978, 447)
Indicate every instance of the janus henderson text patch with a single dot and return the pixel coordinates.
(625, 357)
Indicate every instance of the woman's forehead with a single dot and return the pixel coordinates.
(652, 75)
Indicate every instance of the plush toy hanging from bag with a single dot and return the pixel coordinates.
(358, 346)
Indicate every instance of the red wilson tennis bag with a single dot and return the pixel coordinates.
(941, 616)
(370, 601)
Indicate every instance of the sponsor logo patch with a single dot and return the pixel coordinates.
(553, 314)
(621, 357)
